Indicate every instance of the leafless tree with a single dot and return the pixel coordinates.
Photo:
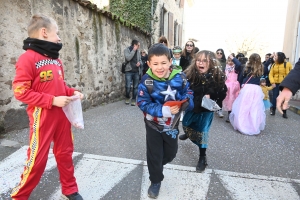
(247, 43)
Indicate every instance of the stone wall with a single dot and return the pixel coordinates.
(92, 52)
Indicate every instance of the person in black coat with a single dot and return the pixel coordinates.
(288, 87)
(144, 57)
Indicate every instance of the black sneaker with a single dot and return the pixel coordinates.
(153, 190)
(284, 116)
(227, 119)
(183, 137)
(202, 163)
(74, 196)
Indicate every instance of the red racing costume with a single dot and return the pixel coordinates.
(38, 80)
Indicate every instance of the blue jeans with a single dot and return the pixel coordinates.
(275, 95)
(134, 78)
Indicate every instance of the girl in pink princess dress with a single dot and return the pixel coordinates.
(248, 110)
(233, 67)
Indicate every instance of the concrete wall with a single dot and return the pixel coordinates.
(92, 52)
(291, 33)
(291, 30)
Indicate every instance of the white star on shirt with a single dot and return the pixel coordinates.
(169, 93)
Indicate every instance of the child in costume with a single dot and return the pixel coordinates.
(178, 60)
(39, 82)
(248, 111)
(176, 55)
(162, 83)
(208, 80)
(232, 69)
(266, 90)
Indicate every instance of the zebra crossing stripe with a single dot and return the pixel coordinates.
(247, 186)
(180, 182)
(12, 167)
(97, 175)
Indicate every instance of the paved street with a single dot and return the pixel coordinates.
(110, 161)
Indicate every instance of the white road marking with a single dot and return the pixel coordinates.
(97, 175)
(248, 186)
(12, 167)
(180, 182)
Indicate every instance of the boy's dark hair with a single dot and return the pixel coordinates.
(262, 80)
(134, 42)
(268, 54)
(239, 55)
(280, 57)
(158, 49)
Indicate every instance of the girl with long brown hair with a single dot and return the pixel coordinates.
(248, 111)
(206, 79)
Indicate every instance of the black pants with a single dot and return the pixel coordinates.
(161, 149)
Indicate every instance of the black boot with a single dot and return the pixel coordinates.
(284, 114)
(202, 163)
(272, 111)
(183, 137)
(227, 120)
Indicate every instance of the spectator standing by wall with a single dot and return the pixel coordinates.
(144, 57)
(132, 70)
(164, 40)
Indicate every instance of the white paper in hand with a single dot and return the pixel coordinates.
(73, 112)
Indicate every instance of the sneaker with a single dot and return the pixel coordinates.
(133, 102)
(202, 163)
(153, 190)
(74, 196)
(220, 113)
(183, 137)
(227, 119)
(272, 111)
(127, 101)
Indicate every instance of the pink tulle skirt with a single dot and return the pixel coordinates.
(248, 111)
(233, 88)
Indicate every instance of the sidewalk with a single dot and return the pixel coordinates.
(295, 106)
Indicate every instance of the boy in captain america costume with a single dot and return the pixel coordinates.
(162, 83)
(39, 82)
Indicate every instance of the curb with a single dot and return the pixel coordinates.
(294, 109)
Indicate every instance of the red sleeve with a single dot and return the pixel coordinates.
(22, 84)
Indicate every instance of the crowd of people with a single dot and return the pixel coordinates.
(165, 83)
(243, 87)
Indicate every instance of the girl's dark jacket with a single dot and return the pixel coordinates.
(206, 85)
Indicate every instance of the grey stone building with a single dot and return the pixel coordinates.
(93, 42)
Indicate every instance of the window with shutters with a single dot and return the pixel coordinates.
(176, 43)
(171, 29)
(179, 34)
(164, 22)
